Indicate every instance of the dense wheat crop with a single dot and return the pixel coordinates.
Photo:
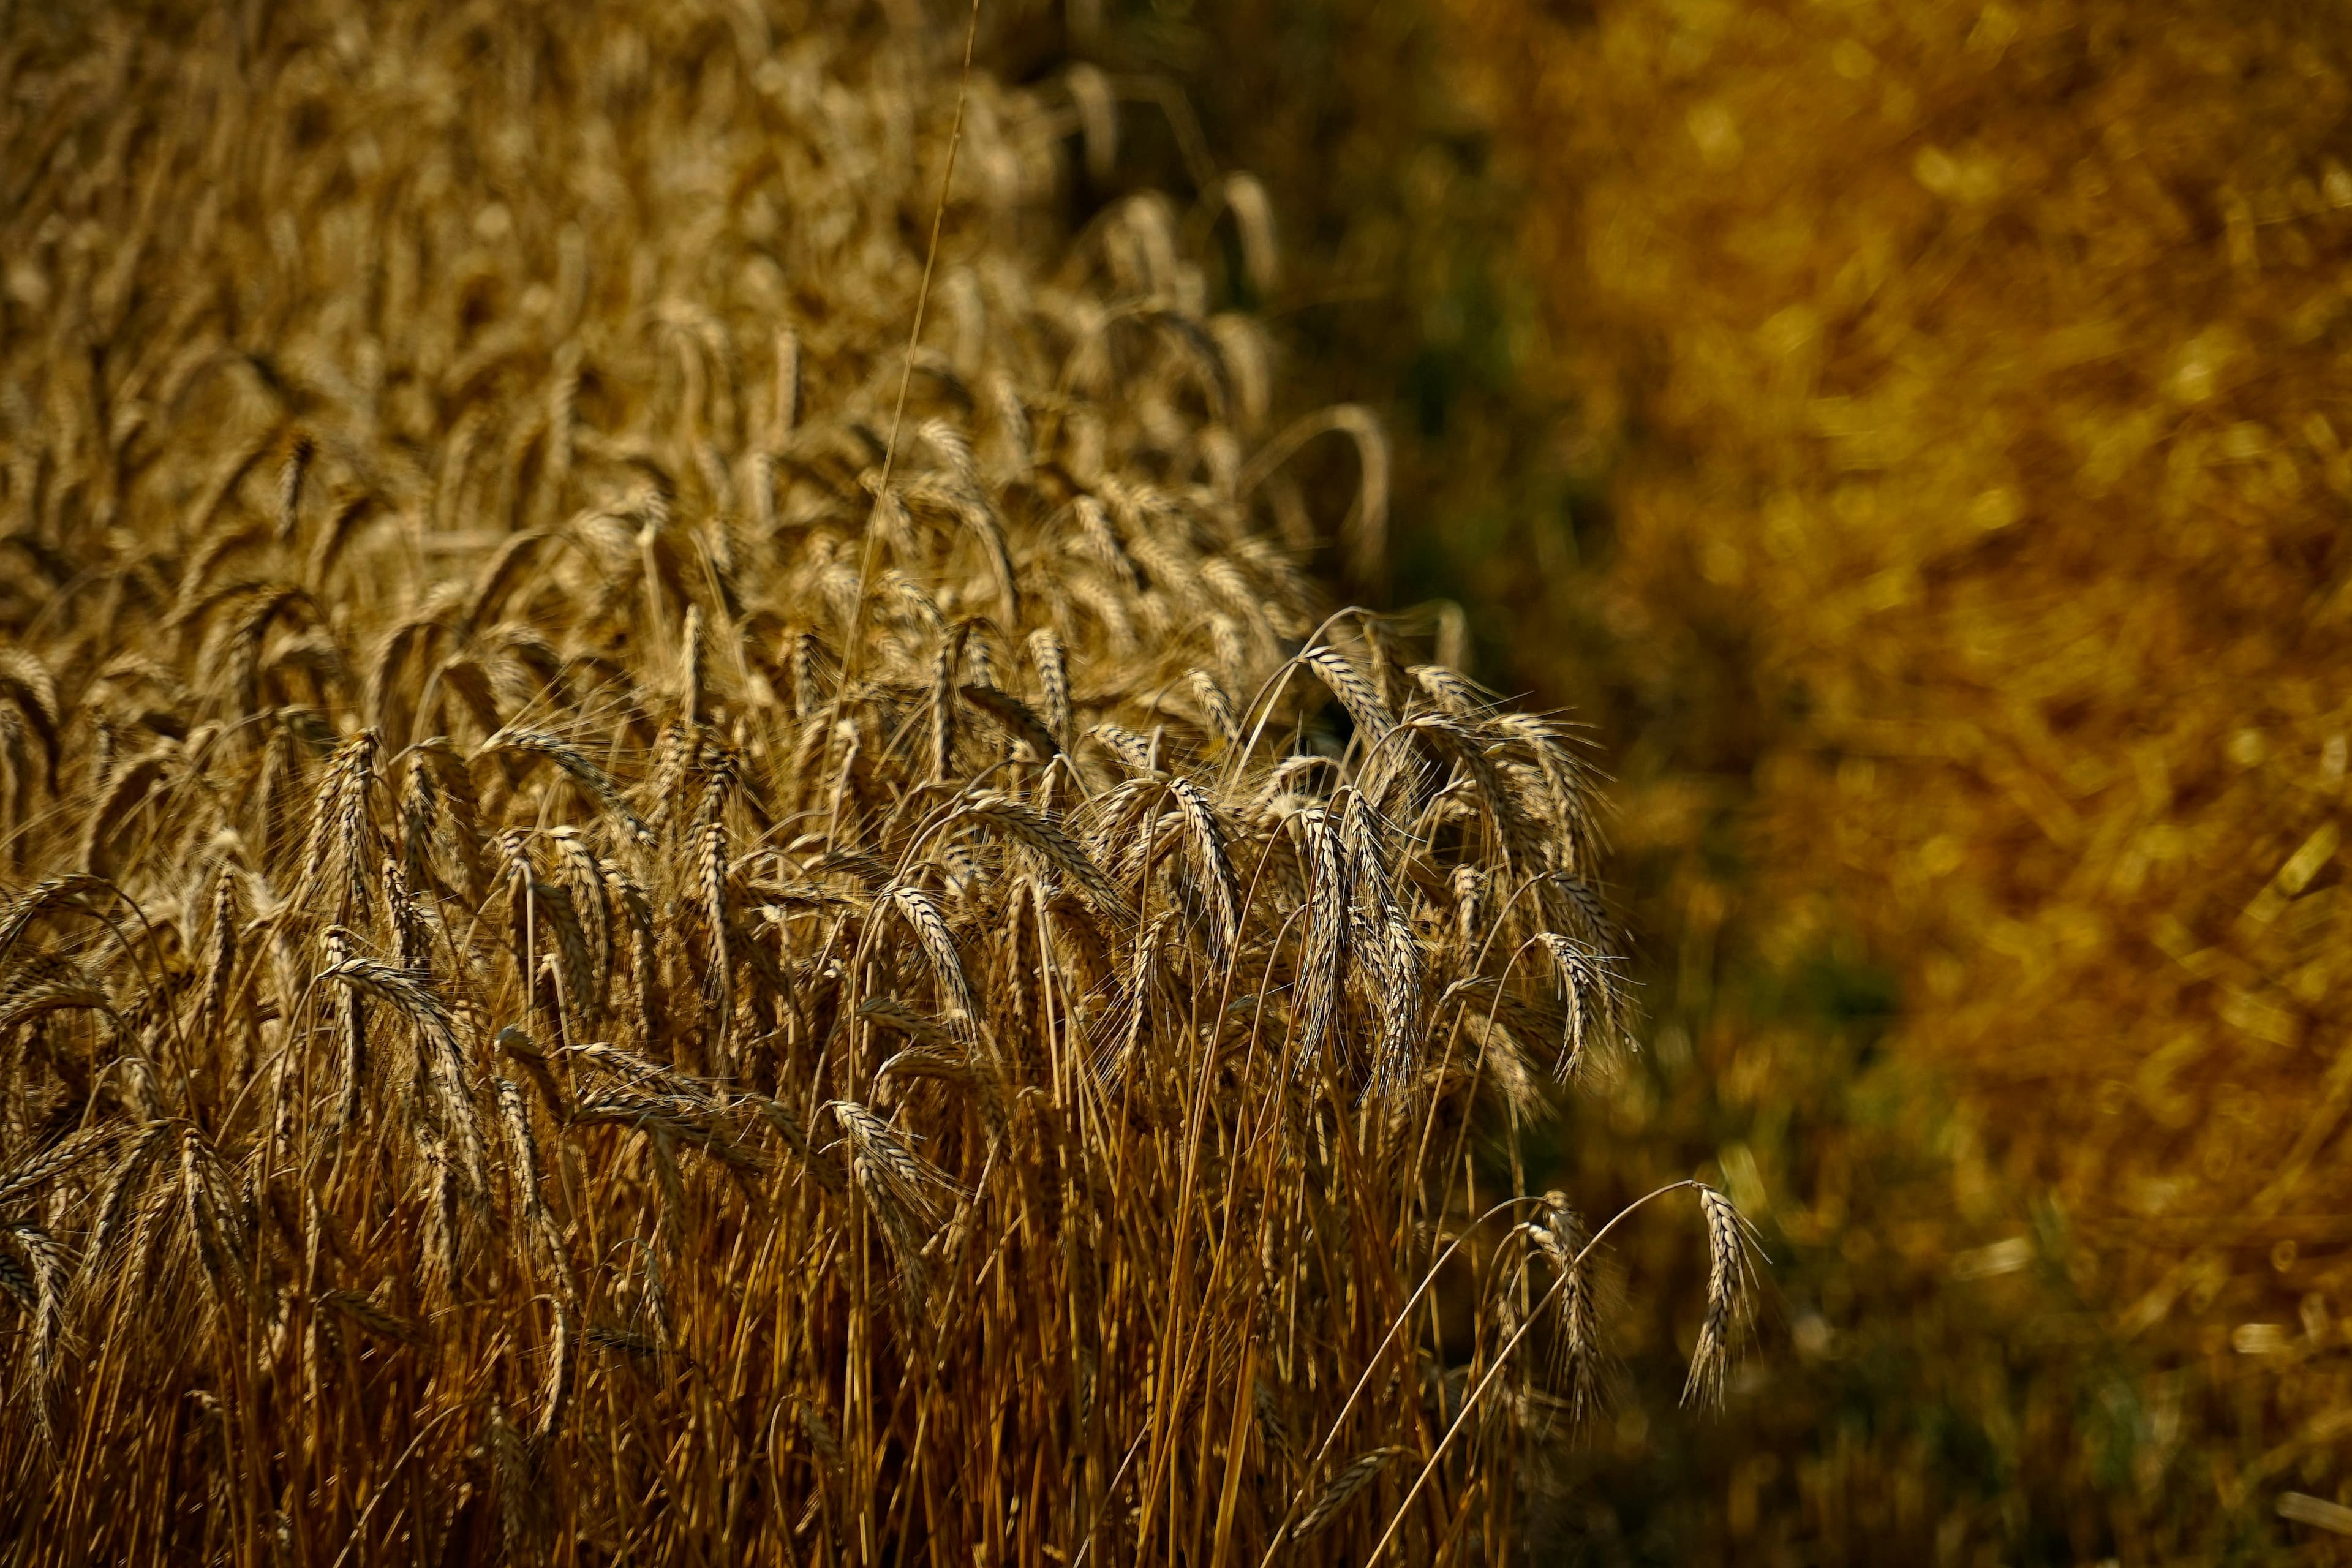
(1968, 381)
(690, 877)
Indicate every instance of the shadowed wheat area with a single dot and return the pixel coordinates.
(650, 920)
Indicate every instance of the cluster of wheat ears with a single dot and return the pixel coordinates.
(650, 917)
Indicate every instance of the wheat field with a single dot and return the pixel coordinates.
(691, 873)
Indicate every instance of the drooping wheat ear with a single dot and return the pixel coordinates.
(1579, 1359)
(691, 662)
(1402, 994)
(930, 928)
(516, 1118)
(567, 961)
(1731, 1284)
(524, 1051)
(579, 875)
(673, 753)
(221, 956)
(1212, 867)
(55, 985)
(50, 1272)
(1582, 903)
(299, 450)
(350, 1016)
(1094, 529)
(902, 1191)
(520, 1503)
(209, 1225)
(1356, 693)
(693, 1093)
(1594, 1009)
(1469, 891)
(890, 1012)
(1134, 751)
(126, 792)
(1570, 786)
(370, 1315)
(914, 1185)
(790, 1127)
(1361, 1471)
(1215, 707)
(1322, 967)
(1014, 718)
(26, 681)
(943, 711)
(1040, 833)
(710, 888)
(631, 904)
(57, 893)
(338, 826)
(420, 818)
(562, 1367)
(594, 780)
(928, 1061)
(1453, 694)
(117, 1198)
(412, 995)
(17, 1281)
(28, 1180)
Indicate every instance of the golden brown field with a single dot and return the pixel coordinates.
(691, 875)
(698, 864)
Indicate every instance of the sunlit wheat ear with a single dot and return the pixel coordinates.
(1033, 828)
(55, 1161)
(50, 1271)
(1212, 866)
(1730, 1286)
(1579, 1357)
(904, 1194)
(1594, 1010)
(1362, 1472)
(922, 915)
(710, 885)
(350, 1016)
(562, 1366)
(220, 958)
(1353, 690)
(1323, 963)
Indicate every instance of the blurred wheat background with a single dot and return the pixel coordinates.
(1913, 434)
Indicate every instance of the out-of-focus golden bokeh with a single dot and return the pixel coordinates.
(1918, 436)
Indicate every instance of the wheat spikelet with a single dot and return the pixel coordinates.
(1357, 695)
(1730, 1281)
(930, 928)
(1015, 719)
(1360, 1472)
(1040, 833)
(350, 1035)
